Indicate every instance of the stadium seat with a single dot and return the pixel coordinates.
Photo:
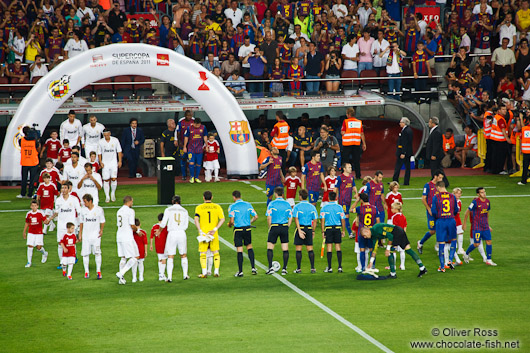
(5, 91)
(142, 89)
(35, 79)
(104, 91)
(368, 84)
(349, 84)
(123, 90)
(383, 84)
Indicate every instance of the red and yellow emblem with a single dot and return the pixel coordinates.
(239, 132)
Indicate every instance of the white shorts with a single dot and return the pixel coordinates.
(109, 172)
(128, 249)
(91, 246)
(47, 212)
(162, 257)
(34, 239)
(176, 240)
(357, 249)
(291, 202)
(211, 165)
(323, 203)
(60, 234)
(90, 148)
(68, 260)
(459, 230)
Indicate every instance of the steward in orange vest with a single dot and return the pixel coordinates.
(525, 149)
(29, 160)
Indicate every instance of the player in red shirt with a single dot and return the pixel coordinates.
(34, 238)
(69, 253)
(292, 183)
(331, 184)
(46, 195)
(54, 173)
(211, 158)
(140, 237)
(52, 146)
(65, 152)
(160, 246)
(94, 161)
(398, 219)
(392, 196)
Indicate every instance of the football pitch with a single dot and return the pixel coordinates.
(40, 311)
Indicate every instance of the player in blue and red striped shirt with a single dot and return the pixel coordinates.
(480, 227)
(429, 190)
(376, 193)
(296, 73)
(275, 177)
(195, 138)
(346, 187)
(313, 177)
(444, 209)
(420, 66)
(366, 217)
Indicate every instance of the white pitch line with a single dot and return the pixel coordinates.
(463, 188)
(316, 302)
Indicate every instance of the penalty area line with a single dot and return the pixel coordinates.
(326, 309)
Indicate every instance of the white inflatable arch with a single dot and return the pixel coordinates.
(134, 59)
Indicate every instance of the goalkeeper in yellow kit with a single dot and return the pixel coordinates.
(208, 219)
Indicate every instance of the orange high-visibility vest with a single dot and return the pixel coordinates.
(281, 139)
(496, 132)
(28, 153)
(467, 142)
(525, 139)
(352, 134)
(263, 154)
(449, 144)
(487, 125)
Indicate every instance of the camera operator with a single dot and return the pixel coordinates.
(333, 65)
(29, 160)
(327, 146)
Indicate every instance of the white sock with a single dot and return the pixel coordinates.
(123, 261)
(134, 268)
(367, 253)
(160, 273)
(207, 174)
(113, 185)
(45, 228)
(457, 259)
(86, 261)
(481, 251)
(460, 240)
(106, 187)
(42, 250)
(170, 268)
(98, 262)
(141, 269)
(52, 226)
(402, 257)
(446, 253)
(209, 260)
(163, 267)
(70, 268)
(359, 260)
(30, 254)
(130, 263)
(216, 173)
(60, 253)
(184, 264)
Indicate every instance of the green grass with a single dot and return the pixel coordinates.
(42, 312)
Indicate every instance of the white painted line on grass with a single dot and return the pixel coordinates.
(316, 302)
(463, 188)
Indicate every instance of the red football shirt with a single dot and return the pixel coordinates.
(52, 148)
(160, 241)
(212, 151)
(95, 167)
(35, 221)
(292, 184)
(331, 183)
(69, 241)
(47, 195)
(398, 219)
(54, 175)
(390, 199)
(65, 154)
(140, 237)
(457, 217)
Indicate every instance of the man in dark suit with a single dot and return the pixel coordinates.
(132, 138)
(434, 150)
(403, 151)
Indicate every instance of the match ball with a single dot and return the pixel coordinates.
(276, 266)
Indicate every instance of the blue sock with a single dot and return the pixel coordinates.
(488, 251)
(425, 238)
(441, 254)
(348, 226)
(183, 167)
(192, 170)
(470, 249)
(452, 251)
(363, 259)
(268, 201)
(197, 171)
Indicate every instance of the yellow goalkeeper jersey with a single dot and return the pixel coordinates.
(209, 215)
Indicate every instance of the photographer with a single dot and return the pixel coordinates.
(333, 65)
(29, 160)
(257, 63)
(38, 69)
(327, 146)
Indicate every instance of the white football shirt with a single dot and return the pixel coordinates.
(89, 187)
(175, 218)
(92, 135)
(71, 131)
(125, 219)
(109, 151)
(66, 210)
(74, 174)
(91, 220)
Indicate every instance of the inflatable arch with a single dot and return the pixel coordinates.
(134, 59)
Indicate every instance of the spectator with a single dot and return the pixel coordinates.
(236, 84)
(269, 48)
(507, 30)
(522, 17)
(483, 30)
(365, 53)
(394, 67)
(276, 74)
(244, 50)
(121, 36)
(339, 9)
(18, 45)
(404, 151)
(29, 161)
(132, 139)
(85, 12)
(18, 73)
(75, 46)
(230, 65)
(233, 13)
(522, 58)
(379, 46)
(470, 147)
(116, 17)
(314, 67)
(333, 65)
(350, 53)
(295, 73)
(38, 69)
(465, 41)
(363, 12)
(525, 85)
(412, 35)
(506, 86)
(297, 35)
(503, 60)
(210, 62)
(421, 23)
(420, 66)
(257, 64)
(328, 147)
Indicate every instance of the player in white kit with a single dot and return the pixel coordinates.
(110, 155)
(127, 249)
(71, 129)
(176, 220)
(90, 231)
(74, 172)
(90, 184)
(92, 133)
(67, 208)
